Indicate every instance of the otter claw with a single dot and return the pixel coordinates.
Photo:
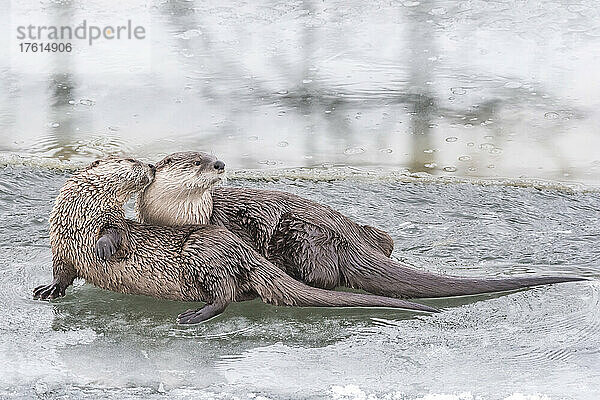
(186, 313)
(48, 292)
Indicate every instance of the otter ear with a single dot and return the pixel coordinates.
(95, 163)
(164, 162)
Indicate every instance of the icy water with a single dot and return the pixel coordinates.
(543, 342)
(468, 88)
(468, 130)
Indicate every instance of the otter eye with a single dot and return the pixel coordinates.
(96, 163)
(131, 160)
(197, 163)
(168, 161)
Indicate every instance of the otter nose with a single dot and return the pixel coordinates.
(220, 165)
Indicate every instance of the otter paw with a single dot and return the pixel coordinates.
(184, 316)
(48, 292)
(106, 246)
(204, 314)
(191, 317)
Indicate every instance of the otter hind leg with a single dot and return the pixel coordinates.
(379, 239)
(210, 310)
(306, 252)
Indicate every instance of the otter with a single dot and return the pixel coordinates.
(311, 242)
(91, 239)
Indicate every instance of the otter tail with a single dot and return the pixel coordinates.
(379, 275)
(275, 287)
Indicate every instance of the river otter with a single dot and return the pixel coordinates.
(311, 242)
(91, 239)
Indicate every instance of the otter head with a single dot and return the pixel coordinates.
(119, 178)
(180, 193)
(96, 194)
(194, 171)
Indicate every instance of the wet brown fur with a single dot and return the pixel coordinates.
(309, 241)
(194, 263)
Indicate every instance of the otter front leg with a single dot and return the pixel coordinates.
(64, 275)
(210, 310)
